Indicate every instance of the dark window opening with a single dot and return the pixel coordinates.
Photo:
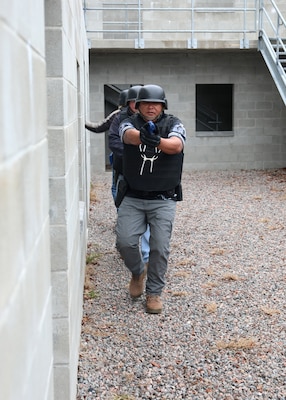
(111, 97)
(214, 108)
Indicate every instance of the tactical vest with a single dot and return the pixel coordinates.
(117, 161)
(148, 169)
(126, 112)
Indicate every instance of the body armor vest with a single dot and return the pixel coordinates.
(126, 112)
(148, 169)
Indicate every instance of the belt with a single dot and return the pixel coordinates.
(140, 194)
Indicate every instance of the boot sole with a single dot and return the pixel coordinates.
(153, 311)
(136, 297)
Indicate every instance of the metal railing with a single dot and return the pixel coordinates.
(140, 22)
(272, 27)
(272, 42)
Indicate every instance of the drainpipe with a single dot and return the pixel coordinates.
(192, 42)
(139, 43)
(244, 43)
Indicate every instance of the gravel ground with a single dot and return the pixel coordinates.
(222, 332)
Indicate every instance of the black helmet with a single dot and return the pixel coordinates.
(151, 93)
(123, 98)
(132, 93)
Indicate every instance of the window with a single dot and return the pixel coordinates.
(214, 110)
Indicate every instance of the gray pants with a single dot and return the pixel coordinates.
(133, 217)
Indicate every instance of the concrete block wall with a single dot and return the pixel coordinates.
(44, 202)
(25, 286)
(67, 84)
(97, 113)
(259, 115)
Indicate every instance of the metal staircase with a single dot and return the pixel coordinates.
(272, 43)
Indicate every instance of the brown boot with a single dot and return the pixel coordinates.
(136, 286)
(154, 304)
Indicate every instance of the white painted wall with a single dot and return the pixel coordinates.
(44, 202)
(25, 268)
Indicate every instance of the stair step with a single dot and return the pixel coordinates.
(280, 46)
(275, 39)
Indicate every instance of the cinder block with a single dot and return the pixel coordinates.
(60, 294)
(54, 51)
(57, 159)
(61, 340)
(58, 201)
(59, 249)
(62, 382)
(55, 102)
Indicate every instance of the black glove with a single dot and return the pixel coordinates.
(151, 139)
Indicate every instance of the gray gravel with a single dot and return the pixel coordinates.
(222, 333)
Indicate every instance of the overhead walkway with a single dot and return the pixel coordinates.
(147, 25)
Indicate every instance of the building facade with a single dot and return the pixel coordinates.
(209, 57)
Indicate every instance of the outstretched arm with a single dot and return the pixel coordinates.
(170, 145)
(103, 125)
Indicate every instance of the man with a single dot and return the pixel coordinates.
(104, 125)
(116, 146)
(115, 143)
(152, 168)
